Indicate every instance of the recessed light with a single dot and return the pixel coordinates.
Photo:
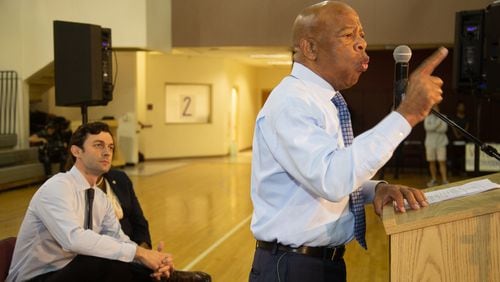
(270, 56)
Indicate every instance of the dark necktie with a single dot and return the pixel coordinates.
(90, 202)
(356, 201)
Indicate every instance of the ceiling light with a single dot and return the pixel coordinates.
(270, 56)
(281, 63)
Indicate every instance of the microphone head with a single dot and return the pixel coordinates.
(402, 54)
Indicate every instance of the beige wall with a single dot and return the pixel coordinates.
(244, 80)
(181, 140)
(141, 80)
(268, 78)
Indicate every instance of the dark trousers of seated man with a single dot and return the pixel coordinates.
(87, 268)
(291, 267)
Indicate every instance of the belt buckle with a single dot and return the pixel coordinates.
(333, 253)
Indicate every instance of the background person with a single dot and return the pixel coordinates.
(52, 144)
(435, 147)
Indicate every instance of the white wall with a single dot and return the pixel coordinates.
(159, 26)
(126, 18)
(26, 34)
(11, 54)
(10, 33)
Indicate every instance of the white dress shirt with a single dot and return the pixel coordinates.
(52, 232)
(302, 174)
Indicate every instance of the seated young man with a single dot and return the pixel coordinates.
(70, 231)
(120, 192)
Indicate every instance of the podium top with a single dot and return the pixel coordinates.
(446, 211)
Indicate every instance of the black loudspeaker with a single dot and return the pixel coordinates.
(492, 48)
(83, 64)
(468, 51)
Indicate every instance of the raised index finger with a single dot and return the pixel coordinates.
(428, 66)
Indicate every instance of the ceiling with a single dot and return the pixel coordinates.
(254, 56)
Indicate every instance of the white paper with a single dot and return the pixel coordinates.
(460, 191)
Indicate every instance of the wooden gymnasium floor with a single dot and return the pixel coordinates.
(201, 209)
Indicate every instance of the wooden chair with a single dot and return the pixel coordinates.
(6, 251)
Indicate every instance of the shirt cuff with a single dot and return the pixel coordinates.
(369, 190)
(395, 128)
(128, 251)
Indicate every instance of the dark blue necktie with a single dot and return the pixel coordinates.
(90, 203)
(356, 201)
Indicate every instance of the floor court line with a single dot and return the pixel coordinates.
(216, 244)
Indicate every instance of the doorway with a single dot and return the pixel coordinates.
(233, 123)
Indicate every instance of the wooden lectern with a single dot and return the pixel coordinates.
(454, 240)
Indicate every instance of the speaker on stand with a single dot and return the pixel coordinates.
(468, 55)
(476, 59)
(468, 62)
(83, 65)
(492, 49)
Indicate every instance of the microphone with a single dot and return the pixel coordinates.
(402, 55)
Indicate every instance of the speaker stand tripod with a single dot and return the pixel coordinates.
(85, 116)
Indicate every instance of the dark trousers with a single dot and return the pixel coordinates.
(88, 268)
(281, 266)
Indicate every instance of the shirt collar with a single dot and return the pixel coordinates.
(81, 181)
(303, 73)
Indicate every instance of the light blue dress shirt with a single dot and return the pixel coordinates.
(52, 232)
(302, 174)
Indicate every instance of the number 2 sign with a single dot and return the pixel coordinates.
(187, 103)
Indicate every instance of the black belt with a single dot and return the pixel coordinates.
(329, 253)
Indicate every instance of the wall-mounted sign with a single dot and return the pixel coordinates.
(188, 103)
